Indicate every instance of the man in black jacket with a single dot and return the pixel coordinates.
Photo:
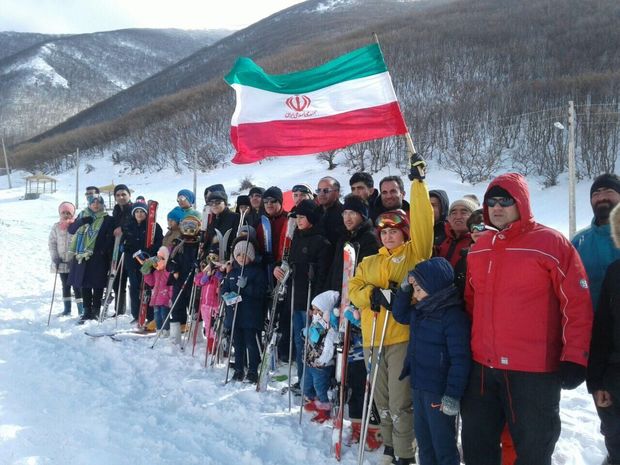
(122, 216)
(328, 193)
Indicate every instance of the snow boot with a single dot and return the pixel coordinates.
(356, 431)
(323, 412)
(388, 456)
(374, 440)
(67, 310)
(175, 333)
(80, 306)
(310, 405)
(252, 377)
(238, 376)
(404, 461)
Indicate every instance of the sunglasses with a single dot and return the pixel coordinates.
(270, 201)
(503, 202)
(302, 189)
(213, 203)
(326, 190)
(389, 220)
(478, 227)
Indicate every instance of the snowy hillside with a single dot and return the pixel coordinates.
(66, 398)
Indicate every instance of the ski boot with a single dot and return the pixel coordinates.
(374, 440)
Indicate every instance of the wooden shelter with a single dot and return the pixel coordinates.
(38, 184)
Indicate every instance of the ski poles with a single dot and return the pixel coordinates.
(290, 343)
(53, 296)
(368, 407)
(183, 286)
(306, 343)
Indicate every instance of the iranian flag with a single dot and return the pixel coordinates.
(347, 100)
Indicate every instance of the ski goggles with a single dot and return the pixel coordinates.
(301, 188)
(181, 198)
(480, 227)
(503, 202)
(390, 220)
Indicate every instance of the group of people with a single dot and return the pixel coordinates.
(459, 307)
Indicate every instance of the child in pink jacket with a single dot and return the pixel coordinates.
(156, 276)
(209, 280)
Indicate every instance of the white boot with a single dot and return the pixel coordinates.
(175, 333)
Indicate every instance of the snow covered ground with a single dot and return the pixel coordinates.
(66, 398)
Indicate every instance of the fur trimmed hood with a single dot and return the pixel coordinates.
(614, 221)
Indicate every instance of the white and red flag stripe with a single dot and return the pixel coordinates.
(347, 100)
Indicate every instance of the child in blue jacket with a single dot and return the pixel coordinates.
(438, 357)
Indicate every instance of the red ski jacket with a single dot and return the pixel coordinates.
(527, 293)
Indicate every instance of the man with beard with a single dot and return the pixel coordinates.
(594, 244)
(391, 197)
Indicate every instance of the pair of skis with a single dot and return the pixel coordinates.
(145, 295)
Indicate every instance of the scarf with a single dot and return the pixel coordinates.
(83, 242)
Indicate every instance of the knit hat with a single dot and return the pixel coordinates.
(397, 219)
(189, 195)
(356, 204)
(140, 198)
(243, 200)
(608, 181)
(308, 209)
(247, 230)
(214, 187)
(326, 301)
(176, 214)
(256, 190)
(497, 191)
(66, 207)
(303, 188)
(273, 192)
(217, 195)
(120, 187)
(467, 204)
(164, 252)
(433, 275)
(245, 247)
(139, 206)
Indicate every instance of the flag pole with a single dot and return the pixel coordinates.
(410, 147)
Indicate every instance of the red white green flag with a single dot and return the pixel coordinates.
(342, 102)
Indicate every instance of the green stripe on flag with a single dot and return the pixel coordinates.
(359, 63)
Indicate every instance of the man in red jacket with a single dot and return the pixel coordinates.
(527, 294)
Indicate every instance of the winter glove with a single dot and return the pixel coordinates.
(417, 167)
(57, 261)
(450, 406)
(378, 300)
(147, 266)
(353, 316)
(87, 220)
(571, 375)
(242, 281)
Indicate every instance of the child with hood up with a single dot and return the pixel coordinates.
(438, 356)
(59, 242)
(156, 276)
(319, 362)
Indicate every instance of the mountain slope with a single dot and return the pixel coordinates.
(53, 79)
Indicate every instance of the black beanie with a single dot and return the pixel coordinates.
(256, 190)
(214, 187)
(497, 191)
(120, 187)
(217, 195)
(308, 209)
(274, 193)
(243, 200)
(356, 204)
(608, 181)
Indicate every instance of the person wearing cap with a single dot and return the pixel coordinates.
(173, 234)
(363, 186)
(221, 219)
(206, 211)
(186, 200)
(456, 231)
(476, 227)
(91, 247)
(603, 378)
(438, 359)
(58, 243)
(527, 295)
(301, 192)
(594, 243)
(391, 197)
(360, 233)
(248, 279)
(277, 216)
(328, 198)
(406, 239)
(441, 207)
(134, 241)
(309, 259)
(255, 195)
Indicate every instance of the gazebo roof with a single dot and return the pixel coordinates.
(40, 177)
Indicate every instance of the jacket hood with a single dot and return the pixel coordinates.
(614, 221)
(444, 202)
(516, 185)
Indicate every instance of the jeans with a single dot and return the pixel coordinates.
(316, 382)
(300, 319)
(528, 402)
(161, 313)
(435, 431)
(66, 294)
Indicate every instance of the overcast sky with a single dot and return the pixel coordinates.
(77, 16)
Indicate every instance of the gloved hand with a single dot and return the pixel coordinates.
(378, 300)
(571, 375)
(87, 220)
(450, 406)
(417, 167)
(242, 281)
(57, 261)
(350, 314)
(405, 285)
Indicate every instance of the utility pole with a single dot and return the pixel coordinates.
(6, 164)
(572, 221)
(77, 178)
(195, 178)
